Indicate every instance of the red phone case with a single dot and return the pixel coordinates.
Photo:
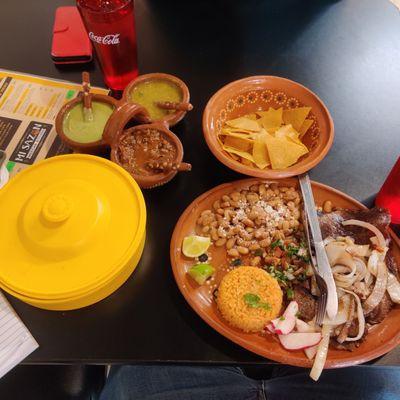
(71, 43)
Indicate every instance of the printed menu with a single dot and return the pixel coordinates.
(28, 108)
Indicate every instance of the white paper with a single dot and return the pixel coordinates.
(16, 342)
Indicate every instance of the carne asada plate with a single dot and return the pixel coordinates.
(240, 258)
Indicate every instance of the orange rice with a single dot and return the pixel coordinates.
(231, 303)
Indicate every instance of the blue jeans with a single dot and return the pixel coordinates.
(229, 383)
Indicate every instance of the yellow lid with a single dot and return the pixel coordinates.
(68, 225)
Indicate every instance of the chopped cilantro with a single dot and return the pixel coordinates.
(282, 318)
(290, 294)
(252, 300)
(277, 243)
(292, 250)
(271, 268)
(306, 258)
(278, 275)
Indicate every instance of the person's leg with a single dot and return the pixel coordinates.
(363, 382)
(180, 382)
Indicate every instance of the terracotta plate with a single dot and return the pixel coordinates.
(381, 339)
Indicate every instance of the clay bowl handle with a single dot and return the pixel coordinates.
(184, 167)
(167, 167)
(170, 105)
(120, 118)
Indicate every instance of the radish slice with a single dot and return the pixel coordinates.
(270, 328)
(299, 341)
(311, 352)
(291, 310)
(285, 324)
(303, 327)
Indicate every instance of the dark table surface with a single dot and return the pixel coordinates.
(347, 51)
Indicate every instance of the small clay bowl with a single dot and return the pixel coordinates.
(97, 147)
(259, 93)
(172, 118)
(120, 118)
(161, 177)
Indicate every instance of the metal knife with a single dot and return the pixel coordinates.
(323, 265)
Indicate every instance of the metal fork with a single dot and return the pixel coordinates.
(322, 287)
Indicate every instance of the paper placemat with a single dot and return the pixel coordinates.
(16, 342)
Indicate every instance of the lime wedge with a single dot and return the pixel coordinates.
(201, 272)
(194, 246)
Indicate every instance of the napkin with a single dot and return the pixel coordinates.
(16, 342)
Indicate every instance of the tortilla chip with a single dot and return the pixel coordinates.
(305, 127)
(244, 161)
(243, 154)
(271, 119)
(260, 152)
(244, 123)
(239, 135)
(283, 152)
(299, 142)
(296, 116)
(286, 131)
(252, 116)
(238, 143)
(228, 130)
(267, 138)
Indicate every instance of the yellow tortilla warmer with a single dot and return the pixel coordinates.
(72, 231)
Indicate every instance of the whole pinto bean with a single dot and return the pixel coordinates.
(233, 253)
(248, 222)
(327, 206)
(230, 243)
(220, 242)
(243, 250)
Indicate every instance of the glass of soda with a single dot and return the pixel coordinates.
(111, 28)
(389, 195)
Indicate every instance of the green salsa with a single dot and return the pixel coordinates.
(77, 129)
(148, 92)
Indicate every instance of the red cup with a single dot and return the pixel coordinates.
(111, 28)
(389, 195)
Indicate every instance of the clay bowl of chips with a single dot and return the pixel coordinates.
(151, 153)
(267, 127)
(165, 97)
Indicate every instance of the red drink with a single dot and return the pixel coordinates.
(111, 27)
(389, 195)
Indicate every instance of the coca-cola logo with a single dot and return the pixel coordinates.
(107, 39)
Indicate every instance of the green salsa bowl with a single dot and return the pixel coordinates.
(147, 89)
(82, 136)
